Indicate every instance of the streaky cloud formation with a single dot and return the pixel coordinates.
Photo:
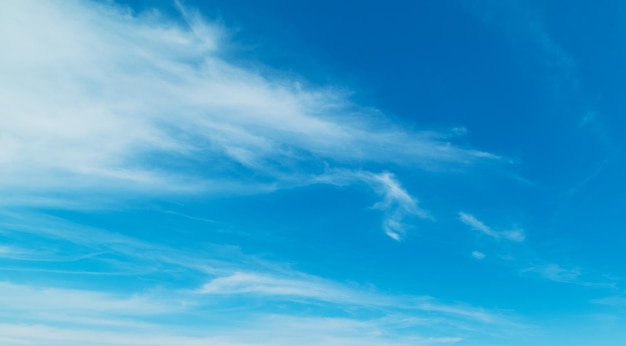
(329, 331)
(131, 104)
(75, 315)
(316, 289)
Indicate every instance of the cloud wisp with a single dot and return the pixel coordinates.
(556, 272)
(478, 255)
(265, 331)
(74, 315)
(477, 225)
(395, 201)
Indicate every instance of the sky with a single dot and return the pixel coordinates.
(369, 173)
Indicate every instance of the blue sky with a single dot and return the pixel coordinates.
(312, 173)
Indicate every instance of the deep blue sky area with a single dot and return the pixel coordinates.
(312, 173)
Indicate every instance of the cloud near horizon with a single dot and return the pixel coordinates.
(74, 315)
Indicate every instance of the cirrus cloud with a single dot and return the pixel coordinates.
(96, 98)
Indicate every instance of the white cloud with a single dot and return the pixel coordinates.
(275, 330)
(96, 99)
(478, 255)
(298, 287)
(571, 275)
(233, 273)
(613, 301)
(13, 252)
(73, 316)
(241, 284)
(39, 308)
(470, 313)
(268, 285)
(557, 273)
(396, 202)
(477, 225)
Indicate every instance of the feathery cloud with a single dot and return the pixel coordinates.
(111, 315)
(96, 99)
(477, 225)
(396, 202)
(556, 272)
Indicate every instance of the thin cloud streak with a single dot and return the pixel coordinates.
(477, 225)
(235, 275)
(23, 299)
(74, 315)
(253, 283)
(299, 287)
(612, 301)
(290, 331)
(556, 272)
(116, 319)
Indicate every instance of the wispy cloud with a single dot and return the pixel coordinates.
(613, 301)
(524, 259)
(477, 225)
(304, 287)
(371, 318)
(24, 299)
(556, 272)
(268, 285)
(96, 99)
(573, 275)
(272, 330)
(14, 252)
(396, 202)
(478, 255)
(244, 279)
(74, 315)
(101, 105)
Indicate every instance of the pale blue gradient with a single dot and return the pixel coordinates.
(312, 173)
